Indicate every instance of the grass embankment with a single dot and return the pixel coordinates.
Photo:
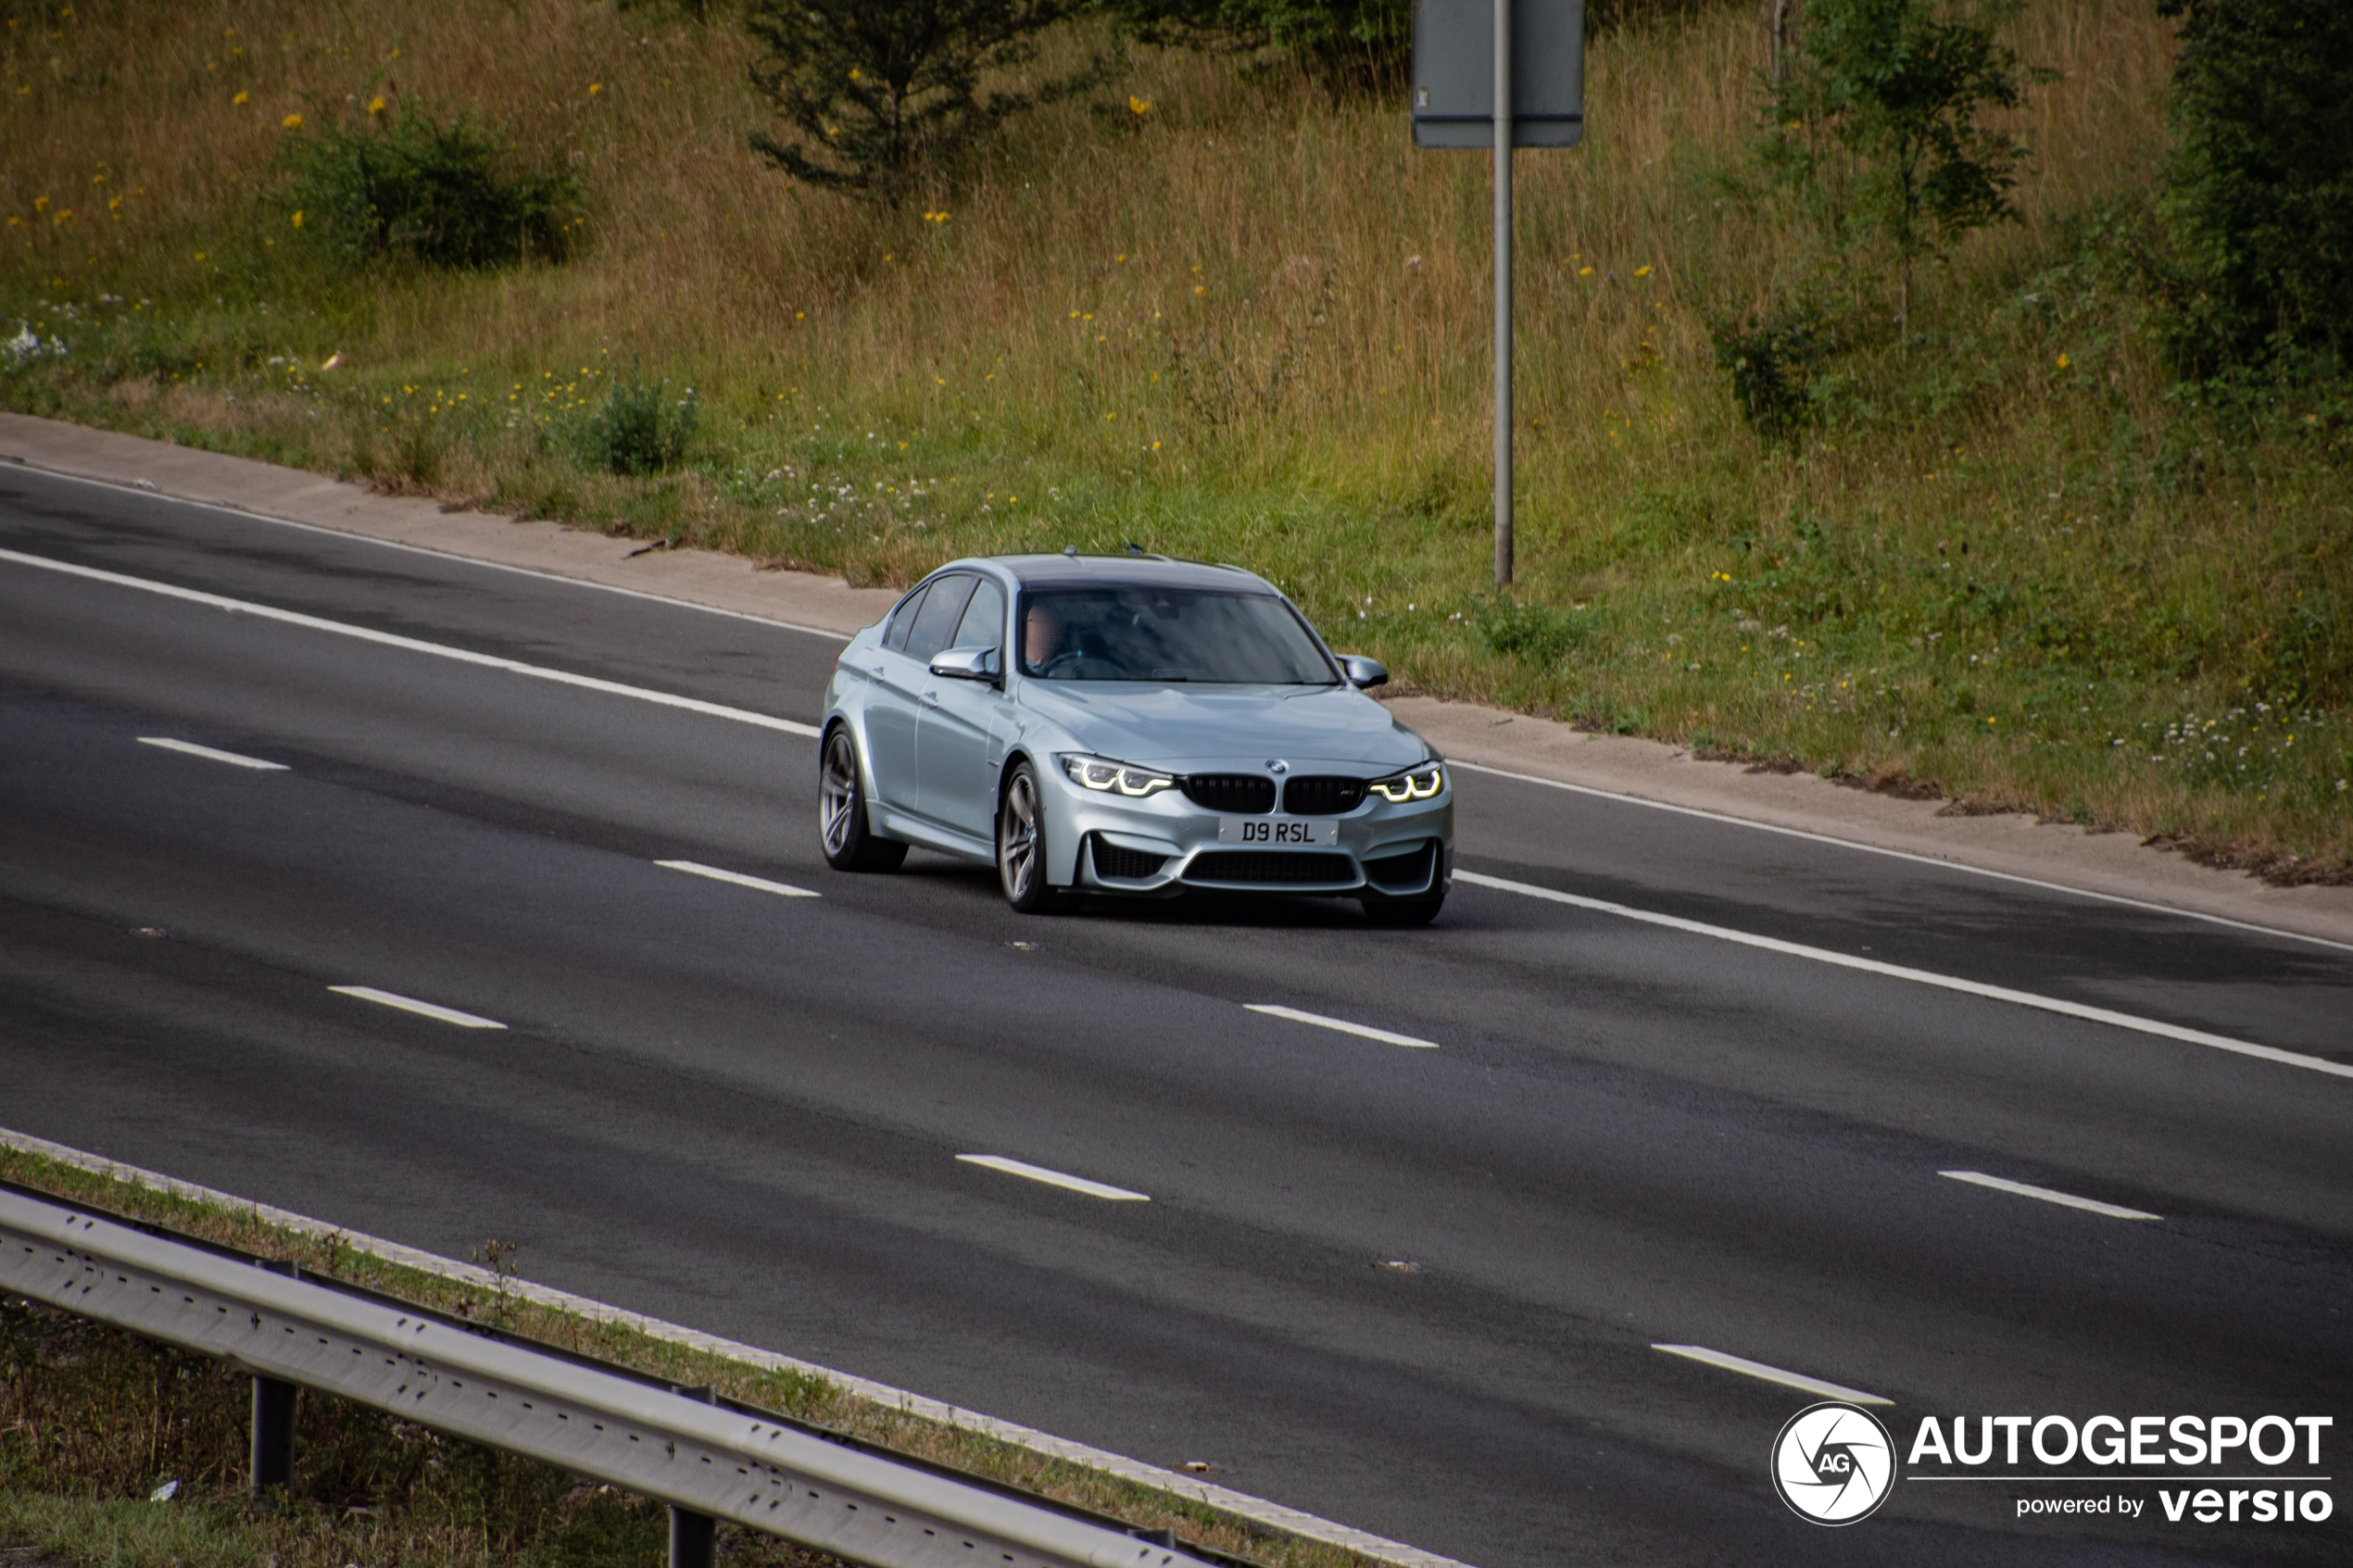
(92, 1421)
(1239, 317)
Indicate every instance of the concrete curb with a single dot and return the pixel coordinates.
(2107, 866)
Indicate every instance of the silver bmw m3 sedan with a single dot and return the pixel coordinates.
(1128, 725)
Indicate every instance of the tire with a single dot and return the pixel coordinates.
(1419, 909)
(848, 844)
(1021, 846)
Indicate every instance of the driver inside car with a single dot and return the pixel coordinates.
(1041, 637)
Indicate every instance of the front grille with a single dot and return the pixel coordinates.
(1242, 794)
(1322, 797)
(1132, 865)
(1296, 866)
(1409, 872)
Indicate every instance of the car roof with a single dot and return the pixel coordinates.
(1115, 572)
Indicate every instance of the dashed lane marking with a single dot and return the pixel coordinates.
(411, 1004)
(1320, 1022)
(783, 889)
(1747, 1368)
(2049, 1194)
(211, 754)
(1054, 1178)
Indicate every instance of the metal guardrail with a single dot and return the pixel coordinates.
(702, 1459)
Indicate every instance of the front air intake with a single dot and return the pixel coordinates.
(1126, 865)
(1290, 868)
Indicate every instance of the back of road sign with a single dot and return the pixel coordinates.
(1455, 74)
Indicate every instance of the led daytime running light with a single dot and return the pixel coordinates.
(1418, 784)
(1103, 776)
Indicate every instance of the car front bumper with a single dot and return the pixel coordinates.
(1166, 844)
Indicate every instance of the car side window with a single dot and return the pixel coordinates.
(984, 622)
(902, 620)
(943, 607)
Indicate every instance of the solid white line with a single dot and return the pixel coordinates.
(763, 884)
(1054, 1178)
(1917, 976)
(1728, 818)
(1288, 1520)
(192, 749)
(1342, 1024)
(414, 644)
(2049, 1194)
(251, 515)
(1773, 1374)
(411, 1004)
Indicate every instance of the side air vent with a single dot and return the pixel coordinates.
(1322, 797)
(1127, 865)
(1249, 794)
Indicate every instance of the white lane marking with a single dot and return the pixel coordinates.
(1320, 1022)
(207, 753)
(763, 884)
(2049, 1194)
(411, 1004)
(147, 491)
(1747, 1368)
(1729, 819)
(1918, 977)
(1054, 1178)
(415, 644)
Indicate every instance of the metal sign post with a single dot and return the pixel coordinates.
(1515, 79)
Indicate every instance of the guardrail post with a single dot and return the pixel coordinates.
(693, 1536)
(274, 1419)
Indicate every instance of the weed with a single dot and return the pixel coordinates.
(641, 430)
(440, 193)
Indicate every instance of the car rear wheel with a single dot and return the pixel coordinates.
(1020, 844)
(848, 844)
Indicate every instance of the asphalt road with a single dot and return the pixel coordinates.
(743, 1111)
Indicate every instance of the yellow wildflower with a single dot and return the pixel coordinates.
(376, 104)
(594, 88)
(1139, 107)
(242, 99)
(298, 218)
(292, 122)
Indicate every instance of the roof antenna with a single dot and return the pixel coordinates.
(1134, 548)
(1070, 549)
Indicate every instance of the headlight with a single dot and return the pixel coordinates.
(1103, 776)
(1414, 783)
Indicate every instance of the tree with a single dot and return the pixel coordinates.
(887, 92)
(2259, 196)
(1883, 97)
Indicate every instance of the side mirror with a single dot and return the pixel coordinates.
(970, 664)
(1361, 671)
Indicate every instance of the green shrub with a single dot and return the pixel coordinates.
(442, 194)
(1531, 632)
(640, 431)
(2259, 192)
(1771, 360)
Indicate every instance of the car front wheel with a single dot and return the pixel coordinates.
(848, 844)
(1020, 844)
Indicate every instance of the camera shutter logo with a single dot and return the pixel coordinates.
(1833, 1463)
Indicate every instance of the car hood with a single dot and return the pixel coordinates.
(1191, 728)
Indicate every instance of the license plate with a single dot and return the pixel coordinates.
(1304, 831)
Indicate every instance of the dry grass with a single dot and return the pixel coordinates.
(1248, 324)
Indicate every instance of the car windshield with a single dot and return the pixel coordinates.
(1143, 633)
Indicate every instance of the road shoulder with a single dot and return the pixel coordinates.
(2112, 865)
